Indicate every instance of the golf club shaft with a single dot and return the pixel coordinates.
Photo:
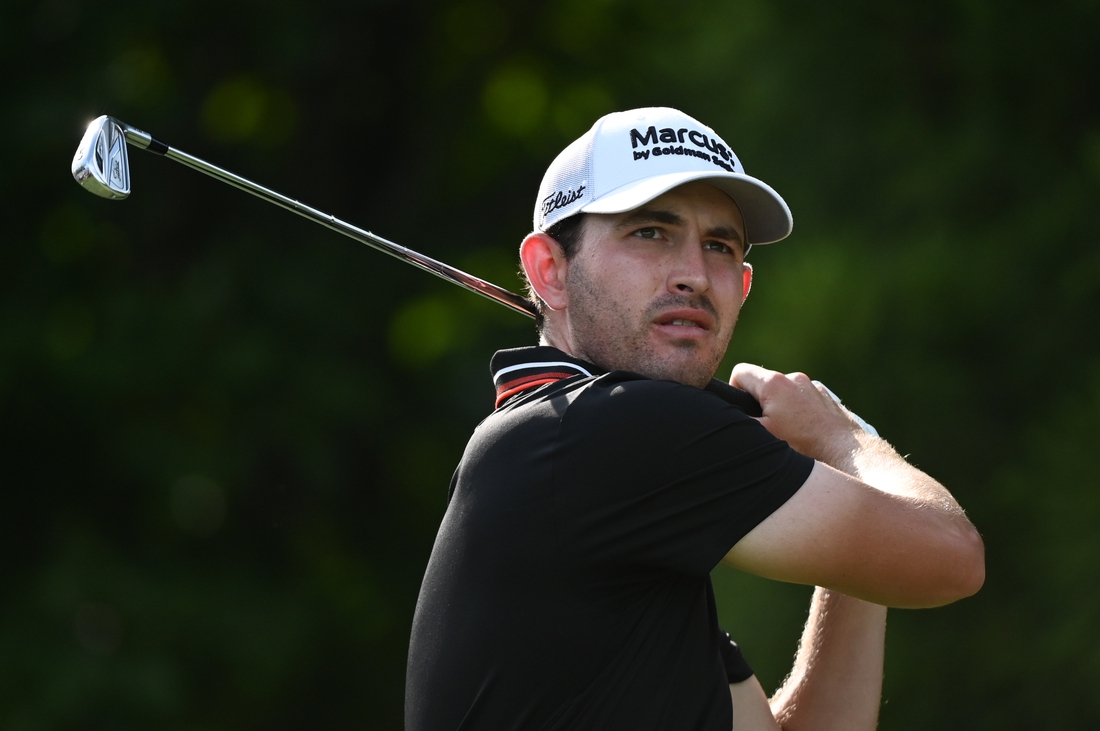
(145, 141)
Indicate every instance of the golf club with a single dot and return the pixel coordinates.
(101, 166)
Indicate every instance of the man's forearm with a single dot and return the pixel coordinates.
(751, 711)
(874, 461)
(836, 681)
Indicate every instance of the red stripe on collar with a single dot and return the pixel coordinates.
(518, 385)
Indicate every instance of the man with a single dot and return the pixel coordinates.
(569, 584)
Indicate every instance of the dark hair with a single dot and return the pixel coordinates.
(568, 232)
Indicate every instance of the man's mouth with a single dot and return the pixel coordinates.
(697, 319)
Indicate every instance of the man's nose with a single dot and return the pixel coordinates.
(689, 273)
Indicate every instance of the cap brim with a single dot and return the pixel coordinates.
(767, 217)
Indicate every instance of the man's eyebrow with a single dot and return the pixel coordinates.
(645, 215)
(725, 233)
(650, 215)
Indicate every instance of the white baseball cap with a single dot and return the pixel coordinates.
(629, 158)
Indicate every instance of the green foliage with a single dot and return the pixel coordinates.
(229, 434)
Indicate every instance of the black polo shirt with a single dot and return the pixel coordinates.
(569, 586)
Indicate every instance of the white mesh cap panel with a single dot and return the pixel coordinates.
(567, 185)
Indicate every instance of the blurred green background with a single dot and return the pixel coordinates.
(227, 432)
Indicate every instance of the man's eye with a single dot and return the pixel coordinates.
(719, 247)
(647, 233)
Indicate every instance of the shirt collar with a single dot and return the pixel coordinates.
(520, 369)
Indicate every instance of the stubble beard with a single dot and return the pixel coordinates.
(611, 337)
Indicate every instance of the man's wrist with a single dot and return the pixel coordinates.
(855, 452)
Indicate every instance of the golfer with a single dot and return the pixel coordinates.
(569, 586)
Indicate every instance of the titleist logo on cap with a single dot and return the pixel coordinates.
(561, 198)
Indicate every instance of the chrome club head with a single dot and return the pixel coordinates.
(100, 163)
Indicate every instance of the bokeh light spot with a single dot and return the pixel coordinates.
(241, 109)
(198, 505)
(515, 100)
(139, 75)
(422, 331)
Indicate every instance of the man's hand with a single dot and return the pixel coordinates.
(804, 413)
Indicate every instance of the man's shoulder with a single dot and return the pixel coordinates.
(636, 399)
(533, 375)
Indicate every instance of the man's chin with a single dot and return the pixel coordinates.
(690, 372)
(684, 362)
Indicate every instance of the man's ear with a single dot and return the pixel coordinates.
(746, 282)
(545, 266)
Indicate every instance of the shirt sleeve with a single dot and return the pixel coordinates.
(658, 474)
